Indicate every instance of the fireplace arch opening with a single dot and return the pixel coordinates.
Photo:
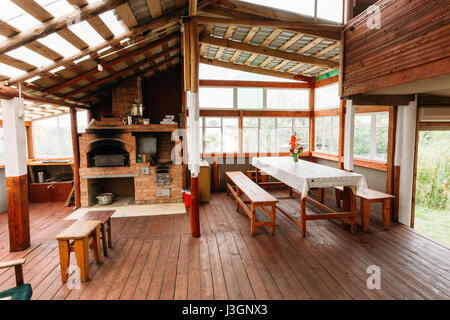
(108, 153)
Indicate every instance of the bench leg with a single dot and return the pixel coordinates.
(64, 258)
(274, 217)
(103, 231)
(227, 183)
(365, 214)
(321, 192)
(290, 192)
(109, 233)
(387, 214)
(349, 204)
(302, 217)
(337, 192)
(238, 193)
(82, 254)
(96, 245)
(252, 219)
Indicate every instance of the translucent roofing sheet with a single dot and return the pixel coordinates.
(57, 8)
(10, 71)
(16, 16)
(58, 44)
(117, 27)
(84, 31)
(29, 56)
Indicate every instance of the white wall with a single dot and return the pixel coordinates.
(3, 200)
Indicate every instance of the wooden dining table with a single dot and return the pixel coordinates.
(302, 176)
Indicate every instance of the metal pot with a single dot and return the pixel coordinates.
(105, 199)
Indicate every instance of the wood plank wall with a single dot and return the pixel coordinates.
(412, 44)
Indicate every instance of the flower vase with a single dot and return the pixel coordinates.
(295, 159)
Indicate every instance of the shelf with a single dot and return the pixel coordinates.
(135, 128)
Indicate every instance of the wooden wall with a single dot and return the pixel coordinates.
(162, 95)
(412, 44)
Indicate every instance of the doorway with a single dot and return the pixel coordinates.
(432, 186)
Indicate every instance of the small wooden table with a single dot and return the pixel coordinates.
(76, 239)
(104, 217)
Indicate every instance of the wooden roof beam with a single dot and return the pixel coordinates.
(56, 24)
(257, 70)
(268, 52)
(149, 47)
(154, 25)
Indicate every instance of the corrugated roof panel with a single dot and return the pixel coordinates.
(243, 57)
(281, 39)
(140, 11)
(260, 36)
(240, 33)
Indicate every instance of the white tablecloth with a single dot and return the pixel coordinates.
(305, 175)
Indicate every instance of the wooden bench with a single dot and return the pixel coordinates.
(371, 196)
(257, 196)
(76, 239)
(104, 216)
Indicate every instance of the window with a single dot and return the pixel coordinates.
(288, 99)
(220, 135)
(327, 97)
(216, 97)
(371, 135)
(253, 98)
(267, 134)
(250, 98)
(52, 137)
(327, 134)
(82, 121)
(2, 146)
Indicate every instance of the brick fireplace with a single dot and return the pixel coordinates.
(137, 181)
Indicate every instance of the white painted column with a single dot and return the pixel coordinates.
(406, 140)
(16, 174)
(194, 134)
(14, 137)
(349, 136)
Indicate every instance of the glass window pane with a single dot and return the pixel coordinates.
(381, 144)
(250, 122)
(284, 122)
(267, 135)
(250, 98)
(287, 99)
(330, 10)
(52, 137)
(213, 140)
(250, 139)
(318, 133)
(303, 135)
(362, 135)
(327, 97)
(212, 122)
(301, 122)
(82, 118)
(382, 119)
(284, 136)
(335, 136)
(230, 134)
(327, 134)
(216, 97)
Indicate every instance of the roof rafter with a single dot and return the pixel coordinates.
(268, 52)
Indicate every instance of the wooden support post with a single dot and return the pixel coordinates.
(341, 135)
(311, 118)
(194, 72)
(390, 176)
(76, 156)
(349, 137)
(16, 174)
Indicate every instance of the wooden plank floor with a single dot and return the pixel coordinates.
(155, 258)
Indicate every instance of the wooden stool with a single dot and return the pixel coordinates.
(76, 239)
(104, 217)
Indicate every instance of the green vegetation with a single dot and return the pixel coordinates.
(432, 212)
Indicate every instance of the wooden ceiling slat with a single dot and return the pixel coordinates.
(56, 24)
(151, 46)
(154, 25)
(13, 62)
(73, 39)
(280, 65)
(268, 52)
(154, 7)
(102, 29)
(6, 30)
(34, 9)
(44, 51)
(127, 16)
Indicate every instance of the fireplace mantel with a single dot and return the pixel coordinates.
(134, 128)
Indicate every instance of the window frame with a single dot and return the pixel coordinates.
(373, 136)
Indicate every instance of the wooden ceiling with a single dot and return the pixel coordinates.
(234, 34)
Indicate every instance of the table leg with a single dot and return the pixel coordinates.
(349, 205)
(64, 258)
(238, 193)
(256, 175)
(96, 244)
(274, 217)
(252, 219)
(303, 217)
(103, 231)
(321, 192)
(109, 233)
(387, 214)
(337, 192)
(365, 214)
